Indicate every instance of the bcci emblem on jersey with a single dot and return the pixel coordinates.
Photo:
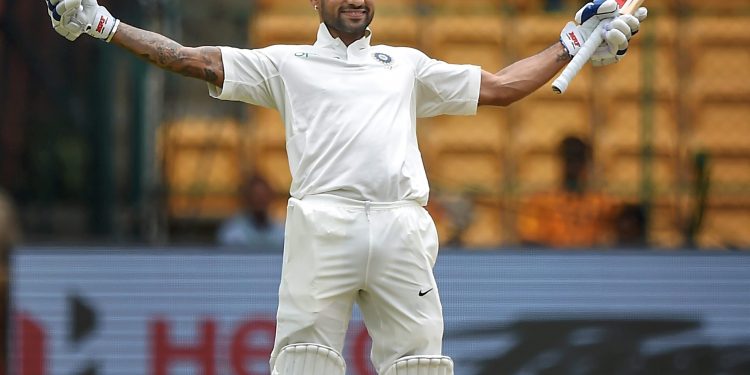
(383, 58)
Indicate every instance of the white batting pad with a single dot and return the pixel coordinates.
(422, 365)
(309, 359)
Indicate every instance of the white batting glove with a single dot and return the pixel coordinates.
(60, 13)
(618, 29)
(94, 20)
(617, 34)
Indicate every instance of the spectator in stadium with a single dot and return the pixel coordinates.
(9, 234)
(573, 216)
(630, 227)
(253, 227)
(357, 231)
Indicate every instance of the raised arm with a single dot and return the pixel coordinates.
(523, 77)
(203, 63)
(526, 76)
(71, 18)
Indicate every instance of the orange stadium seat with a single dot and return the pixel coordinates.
(268, 149)
(620, 143)
(536, 32)
(465, 6)
(719, 58)
(400, 31)
(389, 7)
(480, 172)
(537, 171)
(625, 174)
(268, 129)
(476, 40)
(645, 67)
(722, 128)
(274, 166)
(541, 124)
(729, 175)
(621, 128)
(725, 227)
(526, 6)
(484, 132)
(654, 70)
(270, 29)
(717, 7)
(202, 167)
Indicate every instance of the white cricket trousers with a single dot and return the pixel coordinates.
(339, 251)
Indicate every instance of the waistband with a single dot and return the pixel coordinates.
(339, 201)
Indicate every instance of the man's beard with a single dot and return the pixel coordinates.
(339, 24)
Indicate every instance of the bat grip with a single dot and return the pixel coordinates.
(560, 85)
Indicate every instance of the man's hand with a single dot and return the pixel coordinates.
(71, 18)
(60, 13)
(618, 29)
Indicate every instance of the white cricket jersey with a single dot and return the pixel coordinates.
(350, 112)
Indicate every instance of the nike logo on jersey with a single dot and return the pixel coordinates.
(422, 294)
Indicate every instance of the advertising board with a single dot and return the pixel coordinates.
(204, 312)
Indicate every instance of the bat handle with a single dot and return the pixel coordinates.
(560, 85)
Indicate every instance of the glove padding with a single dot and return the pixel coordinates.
(617, 31)
(83, 16)
(60, 13)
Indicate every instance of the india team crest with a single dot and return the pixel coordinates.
(383, 58)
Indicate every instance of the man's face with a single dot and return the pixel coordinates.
(347, 16)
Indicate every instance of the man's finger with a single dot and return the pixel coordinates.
(620, 25)
(616, 40)
(52, 10)
(65, 7)
(633, 23)
(66, 33)
(641, 14)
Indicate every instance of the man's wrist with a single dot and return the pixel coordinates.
(114, 30)
(563, 54)
(103, 26)
(571, 38)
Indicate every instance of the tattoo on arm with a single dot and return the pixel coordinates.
(564, 55)
(203, 62)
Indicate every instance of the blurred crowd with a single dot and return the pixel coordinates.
(9, 234)
(100, 165)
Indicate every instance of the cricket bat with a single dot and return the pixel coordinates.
(560, 85)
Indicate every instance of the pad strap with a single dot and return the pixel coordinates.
(309, 359)
(422, 365)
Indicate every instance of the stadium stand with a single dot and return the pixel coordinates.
(672, 97)
(202, 167)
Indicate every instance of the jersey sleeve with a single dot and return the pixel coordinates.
(446, 89)
(250, 76)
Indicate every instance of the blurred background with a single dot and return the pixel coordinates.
(98, 149)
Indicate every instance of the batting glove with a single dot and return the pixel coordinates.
(60, 13)
(86, 16)
(617, 34)
(617, 30)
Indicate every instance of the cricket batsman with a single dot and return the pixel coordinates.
(356, 229)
